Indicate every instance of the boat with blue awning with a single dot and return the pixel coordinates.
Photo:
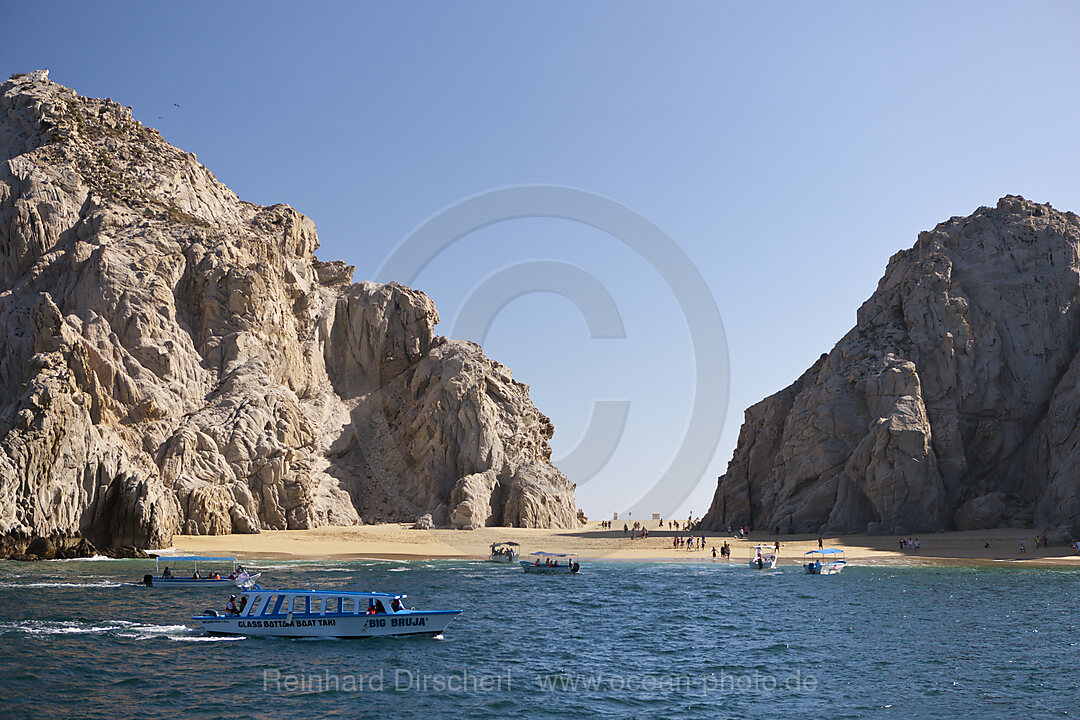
(827, 561)
(323, 613)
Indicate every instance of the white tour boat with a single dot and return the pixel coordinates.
(546, 563)
(828, 561)
(165, 577)
(763, 560)
(323, 613)
(505, 552)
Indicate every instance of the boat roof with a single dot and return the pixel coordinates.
(199, 558)
(826, 551)
(541, 553)
(505, 543)
(332, 593)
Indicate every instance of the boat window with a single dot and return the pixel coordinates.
(249, 605)
(348, 606)
(333, 605)
(300, 604)
(316, 606)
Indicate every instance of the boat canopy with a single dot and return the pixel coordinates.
(826, 551)
(504, 543)
(541, 553)
(324, 593)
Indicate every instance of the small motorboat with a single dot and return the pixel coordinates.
(234, 575)
(545, 563)
(828, 561)
(505, 552)
(762, 560)
(323, 613)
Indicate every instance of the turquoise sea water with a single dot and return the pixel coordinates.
(620, 640)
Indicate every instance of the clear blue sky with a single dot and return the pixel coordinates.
(788, 148)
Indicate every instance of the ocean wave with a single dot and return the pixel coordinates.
(114, 628)
(93, 558)
(103, 583)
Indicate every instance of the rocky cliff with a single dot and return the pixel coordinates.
(954, 403)
(178, 360)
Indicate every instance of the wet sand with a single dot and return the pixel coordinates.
(395, 541)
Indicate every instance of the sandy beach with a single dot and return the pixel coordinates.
(398, 541)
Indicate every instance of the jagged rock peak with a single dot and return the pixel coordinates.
(178, 360)
(952, 404)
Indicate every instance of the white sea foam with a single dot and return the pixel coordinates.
(117, 628)
(101, 583)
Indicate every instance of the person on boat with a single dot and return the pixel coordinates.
(537, 562)
(371, 608)
(395, 605)
(230, 607)
(166, 573)
(195, 575)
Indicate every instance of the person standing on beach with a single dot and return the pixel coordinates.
(820, 544)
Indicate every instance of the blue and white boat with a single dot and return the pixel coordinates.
(828, 561)
(234, 573)
(323, 613)
(545, 563)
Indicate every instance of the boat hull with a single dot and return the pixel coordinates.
(502, 558)
(767, 563)
(534, 569)
(833, 568)
(409, 622)
(160, 582)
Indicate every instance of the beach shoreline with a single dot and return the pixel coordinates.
(393, 541)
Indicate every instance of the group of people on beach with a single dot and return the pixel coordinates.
(725, 551)
(909, 544)
(689, 542)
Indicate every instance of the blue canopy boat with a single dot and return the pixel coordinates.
(545, 563)
(165, 577)
(828, 561)
(323, 613)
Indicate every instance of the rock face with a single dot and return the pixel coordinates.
(178, 360)
(954, 403)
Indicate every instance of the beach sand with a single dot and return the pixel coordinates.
(396, 541)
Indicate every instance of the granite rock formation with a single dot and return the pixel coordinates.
(954, 403)
(178, 360)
